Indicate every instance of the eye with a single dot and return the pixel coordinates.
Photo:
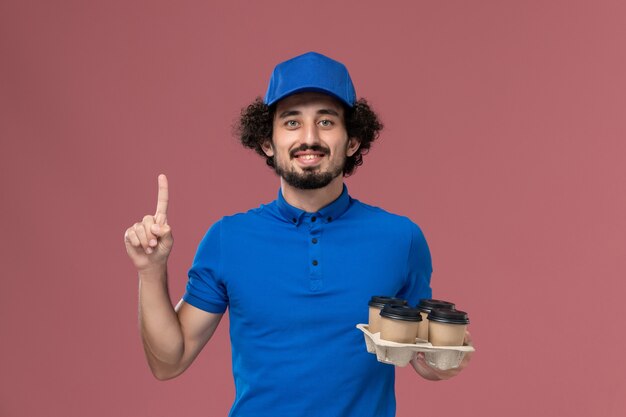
(326, 123)
(291, 123)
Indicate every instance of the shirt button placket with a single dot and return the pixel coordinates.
(315, 261)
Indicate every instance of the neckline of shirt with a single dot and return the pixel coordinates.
(326, 214)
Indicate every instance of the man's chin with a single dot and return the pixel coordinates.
(308, 181)
(310, 170)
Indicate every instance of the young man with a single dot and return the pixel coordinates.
(295, 274)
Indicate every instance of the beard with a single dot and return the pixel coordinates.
(311, 178)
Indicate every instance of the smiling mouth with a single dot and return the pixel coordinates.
(309, 156)
(309, 161)
(309, 153)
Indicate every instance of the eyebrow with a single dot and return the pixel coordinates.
(328, 111)
(288, 113)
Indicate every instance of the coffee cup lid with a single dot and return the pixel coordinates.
(426, 305)
(401, 312)
(448, 316)
(381, 300)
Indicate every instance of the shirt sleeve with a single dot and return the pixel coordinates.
(205, 287)
(419, 269)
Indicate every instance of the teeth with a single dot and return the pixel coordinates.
(308, 156)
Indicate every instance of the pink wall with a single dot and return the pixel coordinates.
(505, 141)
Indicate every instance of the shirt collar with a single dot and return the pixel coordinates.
(326, 214)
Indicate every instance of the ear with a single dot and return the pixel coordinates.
(353, 146)
(267, 147)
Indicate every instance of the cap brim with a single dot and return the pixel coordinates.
(308, 89)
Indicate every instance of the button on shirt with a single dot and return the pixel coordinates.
(296, 284)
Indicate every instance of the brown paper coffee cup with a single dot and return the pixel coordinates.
(376, 304)
(425, 306)
(447, 327)
(399, 323)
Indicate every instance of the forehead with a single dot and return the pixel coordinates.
(309, 100)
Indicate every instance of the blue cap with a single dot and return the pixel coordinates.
(311, 72)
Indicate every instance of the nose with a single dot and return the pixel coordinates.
(311, 134)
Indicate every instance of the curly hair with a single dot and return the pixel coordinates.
(255, 126)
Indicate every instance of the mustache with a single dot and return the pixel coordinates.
(304, 147)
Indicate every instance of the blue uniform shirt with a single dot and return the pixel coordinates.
(296, 284)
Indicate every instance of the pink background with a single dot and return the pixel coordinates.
(505, 140)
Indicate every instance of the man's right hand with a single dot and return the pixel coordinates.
(149, 242)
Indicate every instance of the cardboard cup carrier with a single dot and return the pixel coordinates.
(444, 351)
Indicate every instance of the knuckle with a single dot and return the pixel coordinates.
(148, 219)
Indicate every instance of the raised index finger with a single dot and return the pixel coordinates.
(162, 200)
